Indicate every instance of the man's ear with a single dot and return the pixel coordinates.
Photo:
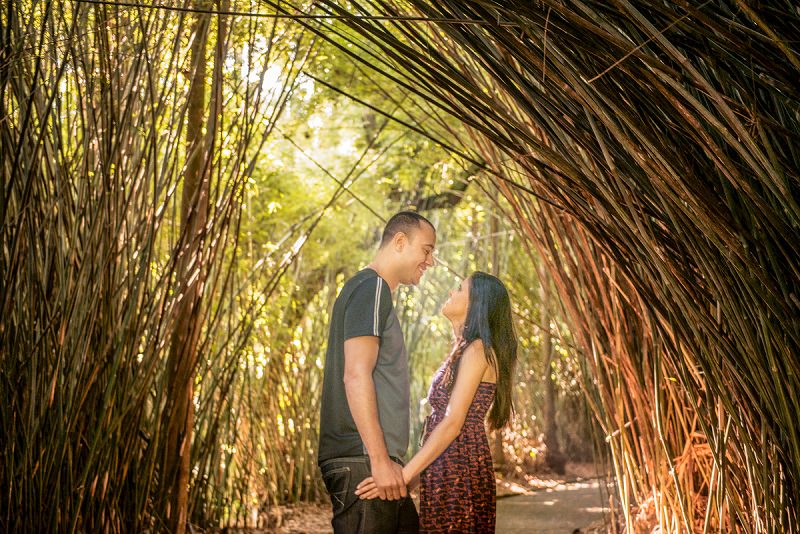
(399, 241)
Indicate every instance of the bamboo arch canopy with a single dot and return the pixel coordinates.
(646, 151)
(668, 132)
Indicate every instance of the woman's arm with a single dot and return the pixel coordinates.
(471, 370)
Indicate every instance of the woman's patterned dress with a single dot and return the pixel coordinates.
(457, 491)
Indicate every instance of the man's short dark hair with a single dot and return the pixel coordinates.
(406, 222)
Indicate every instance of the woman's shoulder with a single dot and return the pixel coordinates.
(474, 351)
(474, 346)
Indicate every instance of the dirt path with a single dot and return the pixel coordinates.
(545, 506)
(562, 509)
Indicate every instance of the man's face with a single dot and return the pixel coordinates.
(417, 253)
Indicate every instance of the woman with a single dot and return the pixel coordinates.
(457, 477)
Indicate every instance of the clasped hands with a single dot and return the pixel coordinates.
(389, 481)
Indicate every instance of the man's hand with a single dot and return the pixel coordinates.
(385, 483)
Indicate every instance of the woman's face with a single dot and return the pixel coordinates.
(456, 306)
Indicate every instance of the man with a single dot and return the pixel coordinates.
(364, 419)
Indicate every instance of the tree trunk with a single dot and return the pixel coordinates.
(553, 456)
(179, 411)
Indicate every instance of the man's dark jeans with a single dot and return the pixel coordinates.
(352, 515)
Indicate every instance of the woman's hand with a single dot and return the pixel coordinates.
(367, 489)
(412, 481)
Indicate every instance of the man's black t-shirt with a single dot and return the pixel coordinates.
(364, 308)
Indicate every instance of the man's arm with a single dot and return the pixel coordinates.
(360, 358)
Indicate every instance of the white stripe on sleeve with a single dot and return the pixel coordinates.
(377, 306)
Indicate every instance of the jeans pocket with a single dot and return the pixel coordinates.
(337, 482)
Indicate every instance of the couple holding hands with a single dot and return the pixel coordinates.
(364, 423)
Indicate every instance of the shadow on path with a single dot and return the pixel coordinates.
(557, 510)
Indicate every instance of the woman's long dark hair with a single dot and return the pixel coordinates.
(489, 319)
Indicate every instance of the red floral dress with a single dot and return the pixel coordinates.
(457, 491)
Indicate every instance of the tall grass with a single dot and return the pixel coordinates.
(95, 264)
